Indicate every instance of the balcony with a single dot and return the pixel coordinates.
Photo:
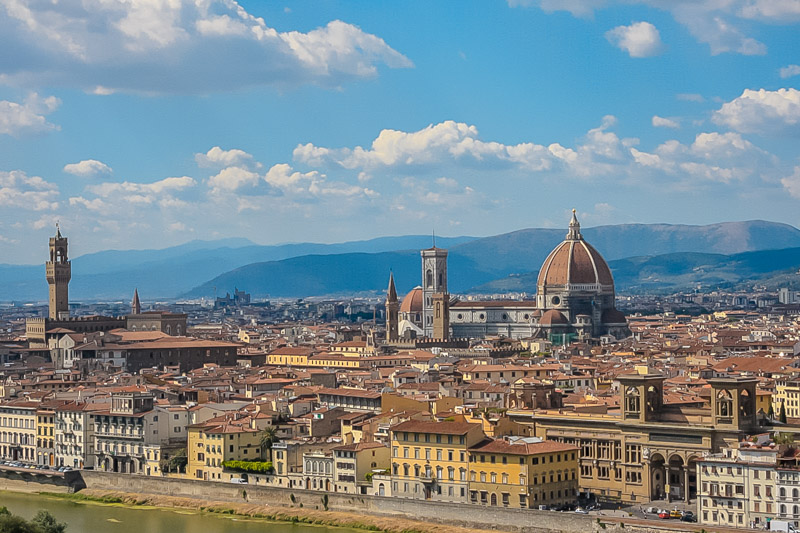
(119, 434)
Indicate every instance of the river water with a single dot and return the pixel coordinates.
(94, 518)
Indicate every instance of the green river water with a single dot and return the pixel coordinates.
(99, 518)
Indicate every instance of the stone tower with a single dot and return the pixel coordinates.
(136, 306)
(59, 272)
(392, 309)
(441, 315)
(434, 280)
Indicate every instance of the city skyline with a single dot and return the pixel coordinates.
(303, 121)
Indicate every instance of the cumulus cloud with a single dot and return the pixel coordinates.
(88, 168)
(640, 39)
(792, 183)
(762, 111)
(712, 157)
(446, 141)
(789, 71)
(28, 117)
(233, 178)
(105, 47)
(217, 157)
(455, 143)
(20, 191)
(127, 194)
(713, 22)
(661, 122)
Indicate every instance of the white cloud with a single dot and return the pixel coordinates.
(713, 156)
(792, 183)
(176, 226)
(640, 39)
(661, 122)
(28, 117)
(104, 47)
(159, 193)
(772, 10)
(789, 71)
(20, 191)
(762, 111)
(88, 168)
(456, 143)
(713, 22)
(233, 178)
(690, 97)
(217, 157)
(282, 176)
(434, 144)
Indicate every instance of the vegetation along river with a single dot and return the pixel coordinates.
(100, 518)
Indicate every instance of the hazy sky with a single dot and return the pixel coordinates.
(148, 123)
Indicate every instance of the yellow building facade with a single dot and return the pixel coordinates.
(430, 460)
(523, 473)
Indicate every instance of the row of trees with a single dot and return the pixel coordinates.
(43, 522)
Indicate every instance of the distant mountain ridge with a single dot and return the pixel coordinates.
(168, 272)
(487, 264)
(306, 269)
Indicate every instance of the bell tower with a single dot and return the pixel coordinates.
(392, 308)
(434, 280)
(59, 272)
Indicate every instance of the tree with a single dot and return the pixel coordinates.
(176, 462)
(43, 522)
(783, 414)
(47, 523)
(771, 413)
(269, 436)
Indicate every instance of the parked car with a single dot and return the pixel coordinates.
(688, 516)
(663, 514)
(675, 514)
(238, 481)
(580, 510)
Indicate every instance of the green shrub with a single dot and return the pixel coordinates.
(253, 467)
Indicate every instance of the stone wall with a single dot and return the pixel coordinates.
(34, 482)
(474, 516)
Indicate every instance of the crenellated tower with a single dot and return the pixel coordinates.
(59, 272)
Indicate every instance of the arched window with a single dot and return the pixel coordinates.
(429, 278)
(724, 404)
(633, 401)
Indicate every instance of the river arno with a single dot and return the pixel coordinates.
(98, 518)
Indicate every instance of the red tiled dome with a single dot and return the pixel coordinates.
(412, 303)
(553, 317)
(574, 261)
(612, 316)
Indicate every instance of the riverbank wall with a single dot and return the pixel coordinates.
(464, 515)
(40, 481)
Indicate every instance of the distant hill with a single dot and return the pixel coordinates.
(169, 272)
(510, 262)
(684, 270)
(196, 267)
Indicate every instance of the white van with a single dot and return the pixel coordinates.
(238, 481)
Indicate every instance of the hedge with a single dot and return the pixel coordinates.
(255, 467)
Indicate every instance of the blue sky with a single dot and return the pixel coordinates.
(149, 123)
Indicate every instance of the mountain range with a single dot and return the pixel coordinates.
(641, 256)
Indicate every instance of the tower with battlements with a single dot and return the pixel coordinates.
(58, 272)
